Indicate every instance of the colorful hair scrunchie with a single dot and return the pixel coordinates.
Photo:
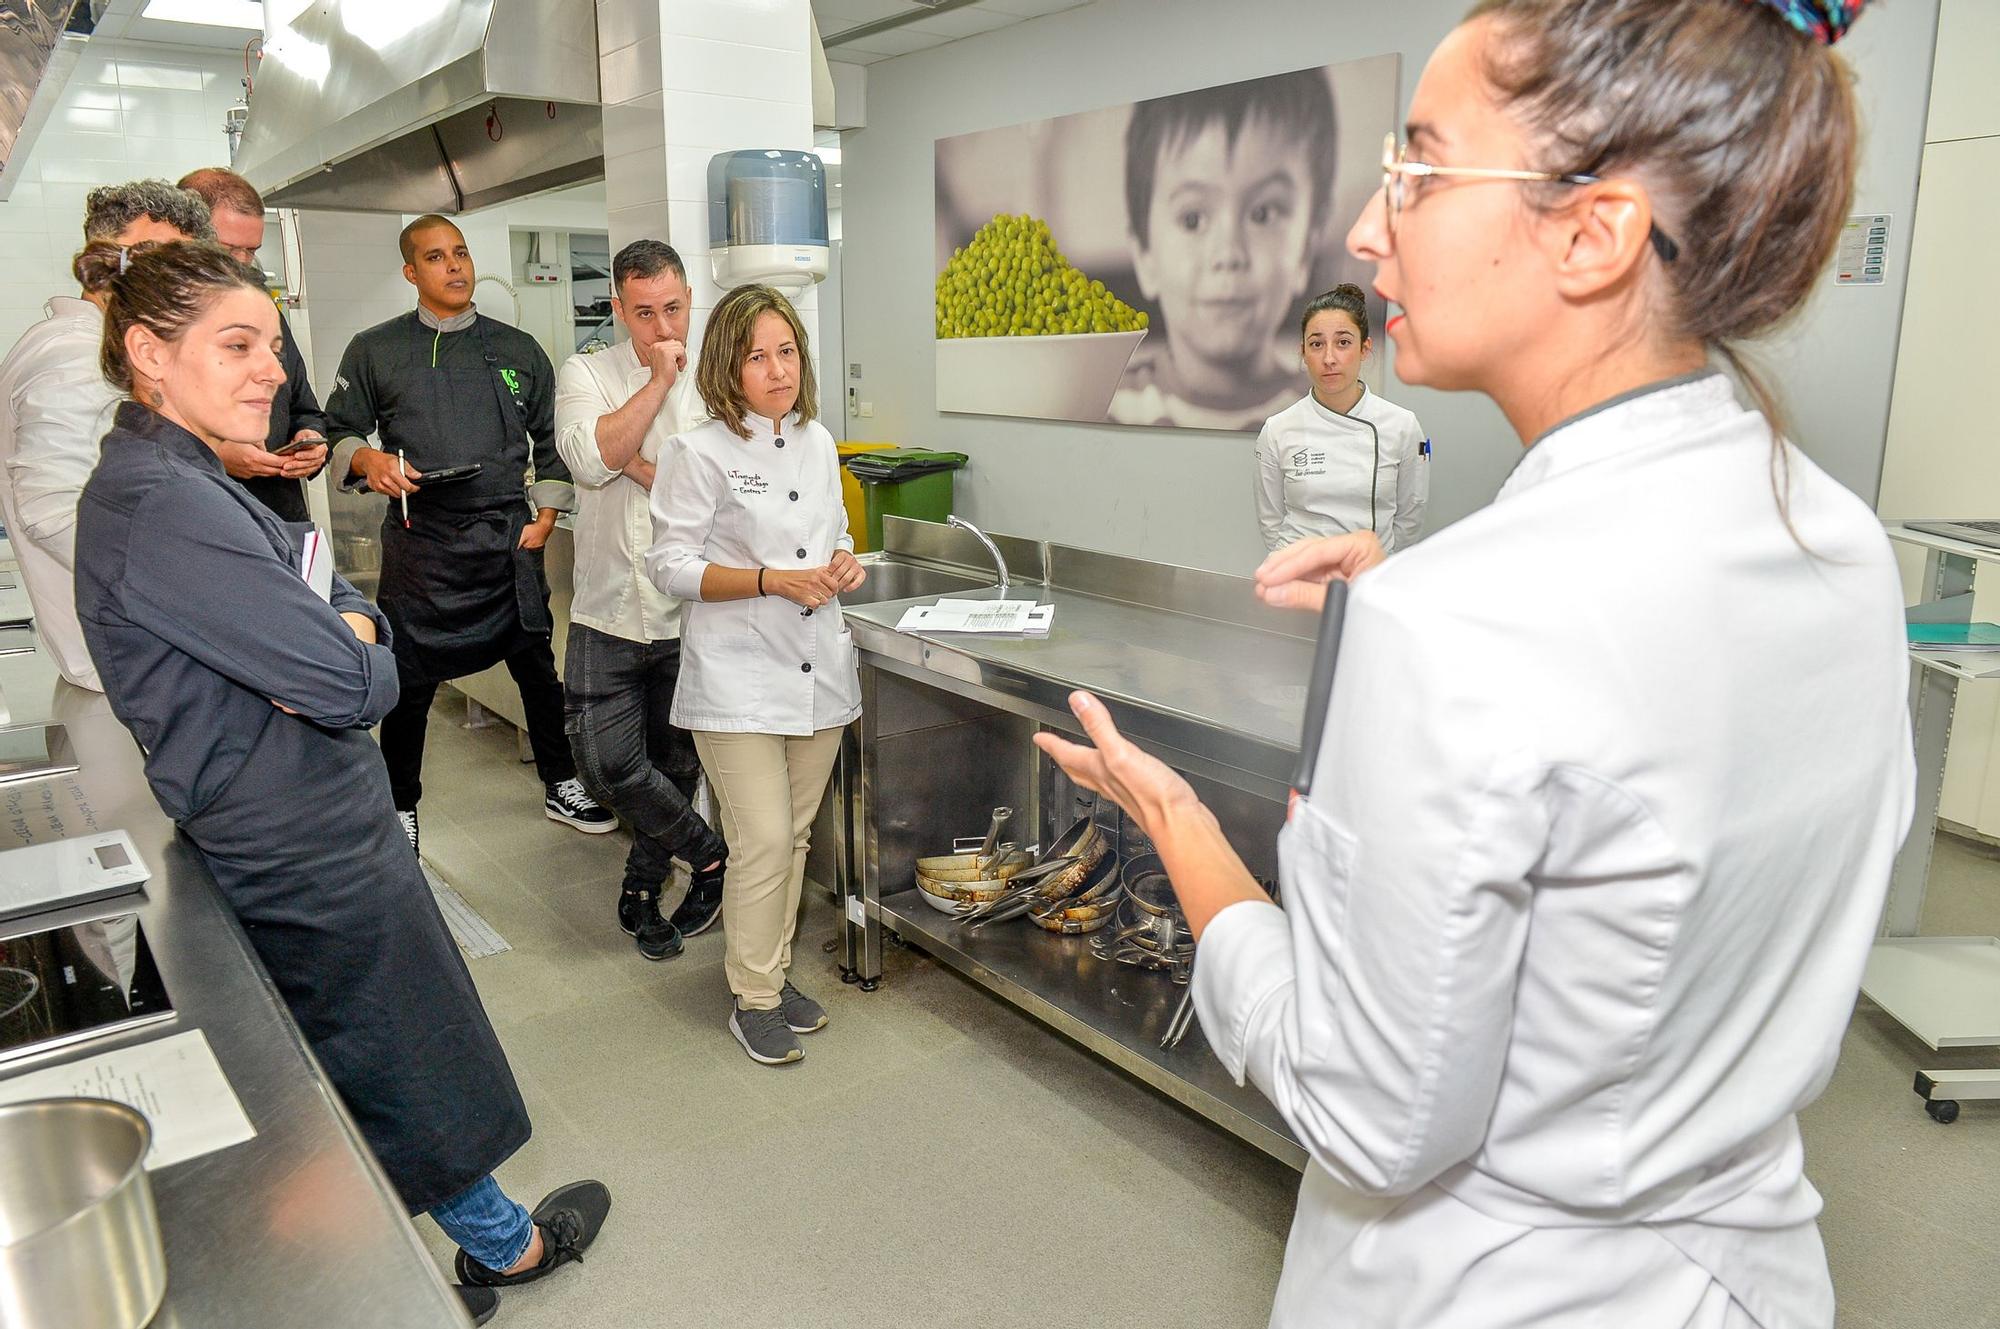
(1825, 21)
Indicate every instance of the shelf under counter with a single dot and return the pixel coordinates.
(1117, 1011)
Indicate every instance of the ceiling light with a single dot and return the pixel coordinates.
(209, 13)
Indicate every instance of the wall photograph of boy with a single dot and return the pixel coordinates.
(1162, 248)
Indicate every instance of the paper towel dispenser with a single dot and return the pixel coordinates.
(767, 218)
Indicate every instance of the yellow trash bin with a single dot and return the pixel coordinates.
(850, 493)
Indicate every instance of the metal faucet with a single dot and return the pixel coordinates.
(999, 560)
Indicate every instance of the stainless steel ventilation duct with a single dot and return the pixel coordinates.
(36, 57)
(425, 105)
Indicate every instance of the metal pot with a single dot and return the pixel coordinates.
(79, 1240)
(1083, 842)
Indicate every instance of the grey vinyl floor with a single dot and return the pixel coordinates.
(940, 1159)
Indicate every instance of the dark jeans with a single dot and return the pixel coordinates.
(629, 756)
(534, 671)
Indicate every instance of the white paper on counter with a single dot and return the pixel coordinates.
(175, 1081)
(1018, 617)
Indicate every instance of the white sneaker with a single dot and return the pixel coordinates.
(566, 802)
(409, 820)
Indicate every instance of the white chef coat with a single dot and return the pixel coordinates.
(614, 519)
(1577, 908)
(55, 408)
(1314, 472)
(762, 665)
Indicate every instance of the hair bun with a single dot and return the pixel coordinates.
(1825, 21)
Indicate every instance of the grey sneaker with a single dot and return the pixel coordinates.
(802, 1014)
(764, 1036)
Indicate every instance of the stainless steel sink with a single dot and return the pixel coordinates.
(889, 579)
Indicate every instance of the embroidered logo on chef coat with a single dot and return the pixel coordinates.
(748, 483)
(512, 378)
(1305, 462)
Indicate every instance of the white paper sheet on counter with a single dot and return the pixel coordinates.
(1013, 617)
(175, 1081)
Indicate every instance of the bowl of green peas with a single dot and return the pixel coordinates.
(1022, 331)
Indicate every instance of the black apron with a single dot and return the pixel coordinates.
(307, 849)
(459, 592)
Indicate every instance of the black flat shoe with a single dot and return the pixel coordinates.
(480, 1302)
(569, 1218)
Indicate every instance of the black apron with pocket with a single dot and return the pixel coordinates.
(457, 588)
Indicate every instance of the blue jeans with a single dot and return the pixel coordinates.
(488, 1226)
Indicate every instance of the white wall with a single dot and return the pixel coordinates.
(1942, 459)
(130, 110)
(1184, 496)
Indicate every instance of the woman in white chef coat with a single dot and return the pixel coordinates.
(1615, 768)
(1341, 458)
(750, 532)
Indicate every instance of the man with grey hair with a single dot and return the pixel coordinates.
(141, 210)
(55, 408)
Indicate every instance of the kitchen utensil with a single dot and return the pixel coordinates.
(1001, 816)
(1003, 862)
(1178, 1025)
(79, 1238)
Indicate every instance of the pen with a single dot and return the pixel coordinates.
(403, 470)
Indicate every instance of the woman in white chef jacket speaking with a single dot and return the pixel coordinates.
(1614, 771)
(1341, 458)
(750, 531)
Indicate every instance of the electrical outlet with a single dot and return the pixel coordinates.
(867, 410)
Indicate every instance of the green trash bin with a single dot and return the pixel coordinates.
(904, 482)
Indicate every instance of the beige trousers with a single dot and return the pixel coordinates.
(768, 789)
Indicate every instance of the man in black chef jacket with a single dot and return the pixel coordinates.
(237, 210)
(445, 388)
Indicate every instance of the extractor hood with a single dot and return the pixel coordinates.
(36, 57)
(425, 105)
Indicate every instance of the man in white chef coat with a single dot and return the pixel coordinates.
(615, 410)
(55, 407)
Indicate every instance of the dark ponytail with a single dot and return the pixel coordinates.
(1348, 298)
(165, 288)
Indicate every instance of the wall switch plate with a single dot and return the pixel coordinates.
(867, 410)
(543, 274)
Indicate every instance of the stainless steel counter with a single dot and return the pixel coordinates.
(297, 1226)
(1193, 668)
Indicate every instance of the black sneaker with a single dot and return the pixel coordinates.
(569, 1218)
(566, 802)
(408, 816)
(479, 1302)
(639, 915)
(702, 905)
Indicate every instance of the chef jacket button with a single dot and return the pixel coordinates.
(802, 553)
(781, 442)
(795, 496)
(805, 669)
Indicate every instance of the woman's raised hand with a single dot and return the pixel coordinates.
(1147, 788)
(1295, 577)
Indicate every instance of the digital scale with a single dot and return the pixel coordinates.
(70, 984)
(39, 877)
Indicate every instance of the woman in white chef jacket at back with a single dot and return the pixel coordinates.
(1614, 769)
(749, 530)
(1341, 458)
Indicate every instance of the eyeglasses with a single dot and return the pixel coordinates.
(242, 254)
(1396, 167)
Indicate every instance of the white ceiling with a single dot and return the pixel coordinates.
(126, 18)
(836, 16)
